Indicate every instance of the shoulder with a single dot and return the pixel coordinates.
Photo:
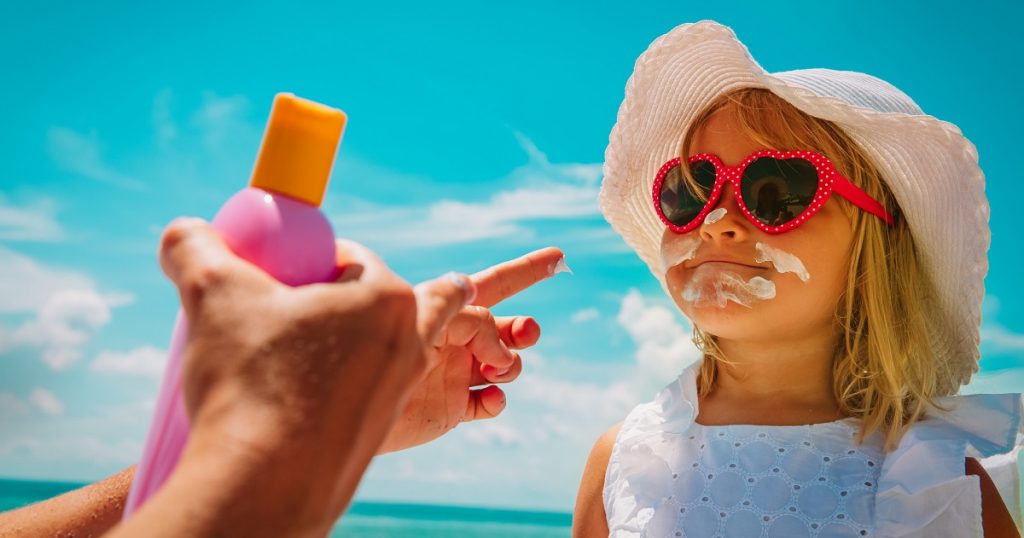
(995, 518)
(600, 454)
(589, 517)
(603, 445)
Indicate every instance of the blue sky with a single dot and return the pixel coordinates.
(476, 133)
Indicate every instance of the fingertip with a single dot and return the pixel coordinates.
(494, 374)
(349, 271)
(553, 255)
(178, 230)
(509, 358)
(492, 398)
(526, 331)
(178, 245)
(553, 251)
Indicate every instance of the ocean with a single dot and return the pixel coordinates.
(373, 519)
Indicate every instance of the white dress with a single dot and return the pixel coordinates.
(669, 476)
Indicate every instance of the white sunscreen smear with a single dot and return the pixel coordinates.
(676, 250)
(712, 287)
(715, 215)
(783, 261)
(560, 267)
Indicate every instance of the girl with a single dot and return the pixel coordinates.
(828, 241)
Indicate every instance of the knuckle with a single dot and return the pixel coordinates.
(203, 277)
(436, 303)
(399, 297)
(394, 306)
(482, 313)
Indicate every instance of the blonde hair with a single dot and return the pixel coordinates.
(884, 372)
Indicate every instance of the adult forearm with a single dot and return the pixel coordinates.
(221, 488)
(88, 511)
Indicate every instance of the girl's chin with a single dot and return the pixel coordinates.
(730, 318)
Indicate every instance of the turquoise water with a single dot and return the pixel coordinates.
(371, 519)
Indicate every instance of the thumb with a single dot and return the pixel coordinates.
(437, 302)
(197, 260)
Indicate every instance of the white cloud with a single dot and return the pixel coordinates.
(34, 222)
(1003, 381)
(145, 361)
(66, 322)
(664, 345)
(219, 120)
(64, 457)
(663, 349)
(81, 154)
(46, 401)
(25, 284)
(564, 192)
(584, 315)
(590, 404)
(997, 338)
(68, 310)
(583, 408)
(85, 445)
(11, 406)
(494, 433)
(536, 449)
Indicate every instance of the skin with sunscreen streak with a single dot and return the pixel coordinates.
(710, 286)
(783, 261)
(715, 216)
(678, 249)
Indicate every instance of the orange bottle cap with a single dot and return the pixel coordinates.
(298, 148)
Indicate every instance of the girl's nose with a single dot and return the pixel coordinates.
(733, 227)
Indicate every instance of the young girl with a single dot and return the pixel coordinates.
(828, 241)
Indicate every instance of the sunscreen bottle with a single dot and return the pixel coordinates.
(276, 224)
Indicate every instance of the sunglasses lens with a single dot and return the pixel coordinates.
(777, 191)
(678, 202)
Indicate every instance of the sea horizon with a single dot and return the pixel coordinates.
(368, 518)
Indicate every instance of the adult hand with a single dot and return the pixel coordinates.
(470, 352)
(290, 391)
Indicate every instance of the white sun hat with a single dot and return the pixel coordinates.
(930, 167)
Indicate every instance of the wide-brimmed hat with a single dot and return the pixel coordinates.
(930, 167)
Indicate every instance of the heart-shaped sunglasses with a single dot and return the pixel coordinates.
(776, 190)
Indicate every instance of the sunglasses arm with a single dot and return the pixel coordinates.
(843, 187)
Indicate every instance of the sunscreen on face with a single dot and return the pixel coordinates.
(710, 286)
(783, 261)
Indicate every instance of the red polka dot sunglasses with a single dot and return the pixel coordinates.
(776, 190)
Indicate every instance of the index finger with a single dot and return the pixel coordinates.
(499, 282)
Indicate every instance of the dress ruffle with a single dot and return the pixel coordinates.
(637, 481)
(922, 489)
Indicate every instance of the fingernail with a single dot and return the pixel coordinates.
(350, 272)
(560, 267)
(502, 372)
(465, 283)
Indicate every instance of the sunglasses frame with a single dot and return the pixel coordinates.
(829, 181)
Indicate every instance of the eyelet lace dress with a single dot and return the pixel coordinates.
(669, 476)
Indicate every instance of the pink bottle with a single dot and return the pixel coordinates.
(276, 224)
